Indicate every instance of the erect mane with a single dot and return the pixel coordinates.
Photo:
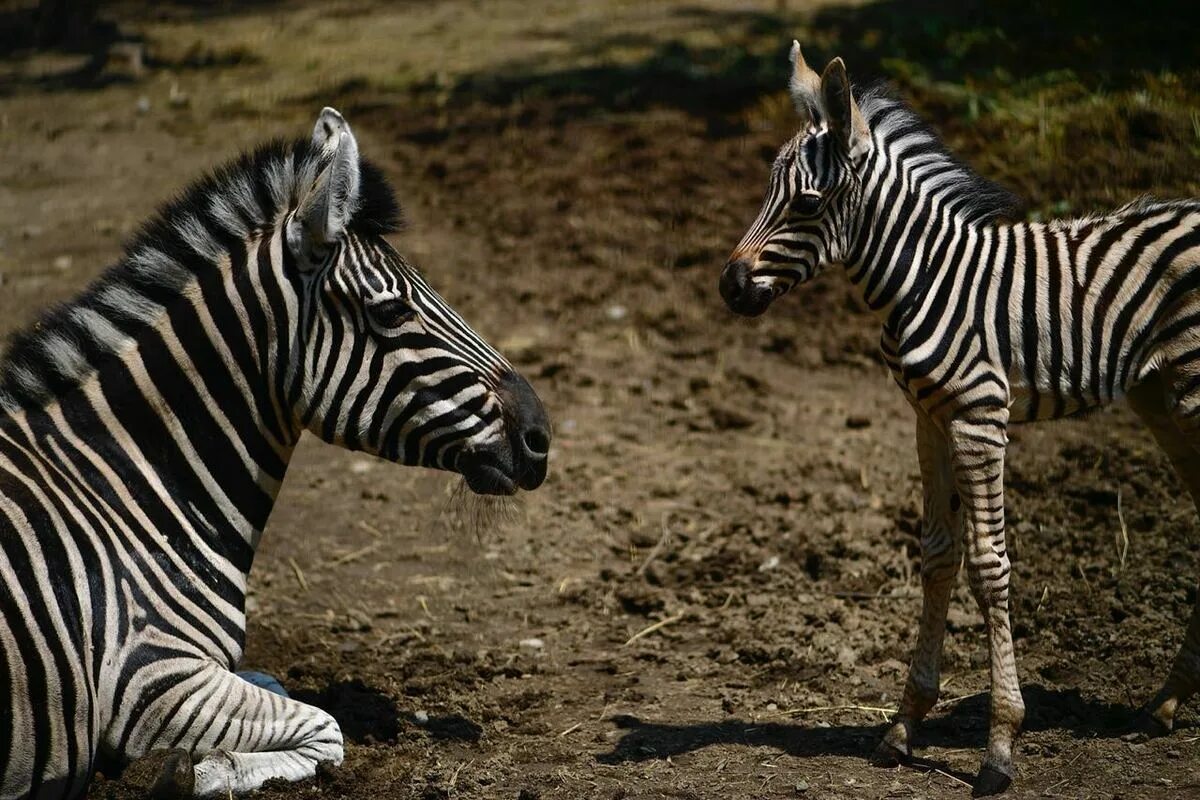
(982, 200)
(214, 215)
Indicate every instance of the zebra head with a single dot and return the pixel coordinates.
(805, 222)
(383, 363)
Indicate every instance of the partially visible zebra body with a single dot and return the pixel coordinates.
(144, 434)
(985, 322)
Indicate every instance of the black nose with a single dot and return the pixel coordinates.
(740, 293)
(528, 430)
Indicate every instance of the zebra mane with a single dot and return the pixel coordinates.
(891, 120)
(185, 238)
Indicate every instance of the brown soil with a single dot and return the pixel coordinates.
(714, 594)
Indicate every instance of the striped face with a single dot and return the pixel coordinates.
(385, 365)
(392, 370)
(797, 231)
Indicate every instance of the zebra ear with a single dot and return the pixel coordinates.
(326, 211)
(845, 120)
(805, 86)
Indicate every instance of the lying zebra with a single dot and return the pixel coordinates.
(985, 323)
(145, 428)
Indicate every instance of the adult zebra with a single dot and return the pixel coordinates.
(144, 434)
(985, 323)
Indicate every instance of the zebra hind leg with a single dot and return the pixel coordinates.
(1176, 428)
(237, 735)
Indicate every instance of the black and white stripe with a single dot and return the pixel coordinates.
(145, 429)
(985, 321)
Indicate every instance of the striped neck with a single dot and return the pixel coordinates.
(916, 205)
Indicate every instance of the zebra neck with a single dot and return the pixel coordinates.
(190, 410)
(899, 247)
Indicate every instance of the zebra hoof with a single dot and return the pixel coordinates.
(992, 780)
(264, 681)
(1151, 726)
(162, 775)
(888, 755)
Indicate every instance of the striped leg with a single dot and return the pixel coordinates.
(941, 557)
(245, 734)
(1179, 440)
(978, 446)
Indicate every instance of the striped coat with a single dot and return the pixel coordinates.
(145, 431)
(985, 321)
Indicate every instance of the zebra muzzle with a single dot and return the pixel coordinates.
(741, 293)
(521, 458)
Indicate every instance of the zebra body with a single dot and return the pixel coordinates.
(145, 431)
(1061, 317)
(985, 322)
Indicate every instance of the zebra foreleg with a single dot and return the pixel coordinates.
(1178, 437)
(240, 735)
(978, 449)
(941, 557)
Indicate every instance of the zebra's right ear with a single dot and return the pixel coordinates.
(805, 86)
(325, 212)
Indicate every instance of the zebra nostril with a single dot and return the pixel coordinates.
(537, 442)
(734, 280)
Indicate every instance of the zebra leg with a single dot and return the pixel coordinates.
(1149, 400)
(978, 448)
(941, 557)
(239, 734)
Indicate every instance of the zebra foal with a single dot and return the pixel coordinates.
(145, 429)
(985, 322)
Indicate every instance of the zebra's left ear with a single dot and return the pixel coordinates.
(845, 120)
(326, 211)
(805, 88)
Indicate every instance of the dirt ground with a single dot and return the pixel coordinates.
(715, 593)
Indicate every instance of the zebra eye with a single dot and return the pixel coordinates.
(392, 313)
(806, 205)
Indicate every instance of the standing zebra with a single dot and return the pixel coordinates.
(985, 322)
(145, 428)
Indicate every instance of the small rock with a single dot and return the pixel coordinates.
(361, 465)
(421, 717)
(532, 644)
(801, 787)
(726, 418)
(143, 105)
(768, 565)
(62, 263)
(616, 312)
(177, 98)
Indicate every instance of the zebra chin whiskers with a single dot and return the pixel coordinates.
(477, 515)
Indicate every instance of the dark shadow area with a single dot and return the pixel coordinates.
(364, 713)
(104, 35)
(1100, 42)
(708, 82)
(449, 728)
(965, 725)
(977, 42)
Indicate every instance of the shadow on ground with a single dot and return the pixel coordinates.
(965, 725)
(976, 42)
